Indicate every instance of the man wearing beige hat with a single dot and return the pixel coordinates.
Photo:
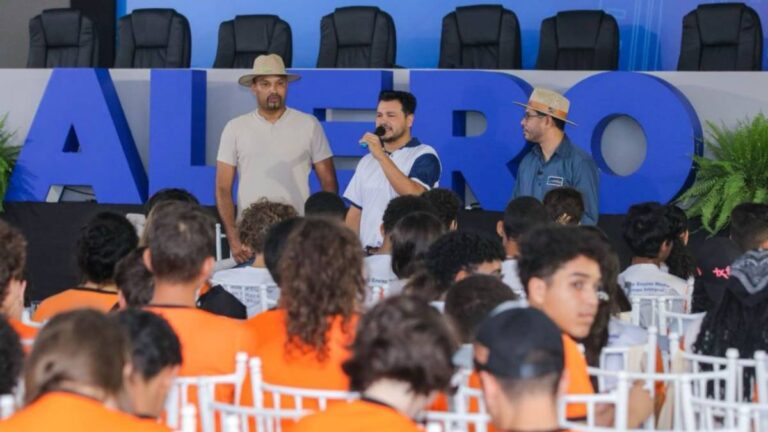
(272, 149)
(554, 161)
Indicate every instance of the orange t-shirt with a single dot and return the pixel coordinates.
(68, 412)
(578, 377)
(75, 298)
(356, 416)
(27, 334)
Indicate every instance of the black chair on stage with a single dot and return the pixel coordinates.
(357, 37)
(579, 40)
(62, 38)
(721, 37)
(153, 38)
(480, 37)
(246, 37)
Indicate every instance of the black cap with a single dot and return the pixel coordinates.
(522, 343)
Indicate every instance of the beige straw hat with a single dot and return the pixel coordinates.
(550, 103)
(268, 64)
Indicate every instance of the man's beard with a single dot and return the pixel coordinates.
(394, 137)
(273, 105)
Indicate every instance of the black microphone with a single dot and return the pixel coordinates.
(379, 132)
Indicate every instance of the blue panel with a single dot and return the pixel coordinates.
(672, 130)
(484, 161)
(79, 137)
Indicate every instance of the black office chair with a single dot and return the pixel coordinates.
(357, 37)
(62, 38)
(480, 37)
(246, 37)
(153, 38)
(721, 37)
(579, 40)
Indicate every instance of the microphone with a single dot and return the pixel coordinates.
(379, 132)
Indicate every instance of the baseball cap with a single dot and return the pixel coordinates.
(522, 343)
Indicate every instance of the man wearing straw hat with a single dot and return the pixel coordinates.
(272, 148)
(554, 161)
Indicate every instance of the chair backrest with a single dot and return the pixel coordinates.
(234, 418)
(153, 38)
(621, 356)
(703, 413)
(246, 37)
(647, 309)
(62, 38)
(579, 40)
(480, 37)
(256, 298)
(357, 37)
(188, 419)
(676, 322)
(455, 422)
(7, 405)
(617, 398)
(721, 37)
(761, 376)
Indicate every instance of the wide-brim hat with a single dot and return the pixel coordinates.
(268, 64)
(550, 103)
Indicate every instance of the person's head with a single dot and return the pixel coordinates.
(680, 261)
(401, 206)
(274, 244)
(135, 285)
(106, 239)
(402, 339)
(679, 221)
(560, 268)
(749, 226)
(648, 231)
(519, 358)
(155, 359)
(469, 301)
(545, 115)
(13, 257)
(169, 194)
(256, 220)
(11, 357)
(325, 204)
(411, 238)
(564, 205)
(321, 276)
(447, 204)
(395, 113)
(268, 81)
(180, 244)
(81, 351)
(520, 216)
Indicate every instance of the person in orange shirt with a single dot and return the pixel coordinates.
(13, 258)
(106, 239)
(11, 357)
(71, 381)
(560, 268)
(401, 359)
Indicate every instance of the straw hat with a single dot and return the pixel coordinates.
(550, 103)
(268, 64)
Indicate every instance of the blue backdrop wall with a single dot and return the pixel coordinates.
(650, 29)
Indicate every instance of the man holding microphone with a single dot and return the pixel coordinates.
(397, 164)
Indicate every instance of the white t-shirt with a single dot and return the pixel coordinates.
(273, 160)
(370, 190)
(511, 277)
(378, 270)
(650, 280)
(247, 284)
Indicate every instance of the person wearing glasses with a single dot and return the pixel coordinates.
(554, 161)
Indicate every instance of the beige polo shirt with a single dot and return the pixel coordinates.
(273, 160)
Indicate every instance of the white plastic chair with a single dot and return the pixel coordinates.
(761, 376)
(188, 419)
(233, 418)
(702, 413)
(618, 398)
(7, 405)
(26, 319)
(256, 298)
(675, 322)
(461, 401)
(455, 422)
(623, 354)
(650, 307)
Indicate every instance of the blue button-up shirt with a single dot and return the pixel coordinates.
(569, 166)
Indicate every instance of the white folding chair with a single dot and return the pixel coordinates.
(256, 298)
(188, 419)
(7, 405)
(618, 398)
(701, 412)
(622, 356)
(234, 418)
(465, 397)
(455, 422)
(675, 322)
(646, 309)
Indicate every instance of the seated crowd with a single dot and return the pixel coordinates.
(517, 316)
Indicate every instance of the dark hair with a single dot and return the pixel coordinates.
(404, 339)
(13, 257)
(646, 228)
(11, 357)
(547, 384)
(77, 347)
(325, 204)
(446, 203)
(564, 201)
(180, 237)
(411, 238)
(544, 250)
(134, 280)
(402, 206)
(153, 343)
(523, 214)
(749, 225)
(274, 244)
(680, 262)
(169, 194)
(470, 300)
(321, 276)
(560, 124)
(407, 100)
(103, 242)
(256, 220)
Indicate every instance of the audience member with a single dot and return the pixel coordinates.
(564, 205)
(135, 284)
(327, 204)
(13, 257)
(714, 257)
(139, 220)
(11, 357)
(680, 261)
(411, 238)
(520, 216)
(470, 300)
(447, 204)
(274, 244)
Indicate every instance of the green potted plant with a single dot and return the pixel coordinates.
(736, 172)
(8, 155)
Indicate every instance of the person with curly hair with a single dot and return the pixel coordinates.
(106, 239)
(13, 258)
(304, 341)
(447, 204)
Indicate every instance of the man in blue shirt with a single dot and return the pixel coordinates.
(554, 161)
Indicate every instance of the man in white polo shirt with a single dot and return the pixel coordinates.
(272, 149)
(397, 164)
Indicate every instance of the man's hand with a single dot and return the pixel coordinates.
(374, 145)
(239, 251)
